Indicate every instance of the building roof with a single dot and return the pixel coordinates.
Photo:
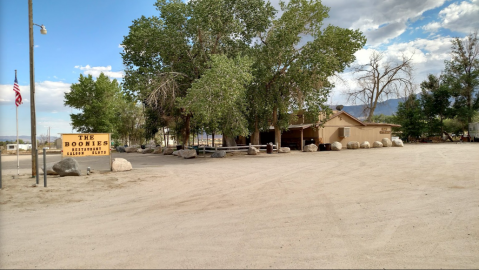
(343, 112)
(295, 127)
(382, 124)
(361, 122)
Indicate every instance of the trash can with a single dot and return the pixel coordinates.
(143, 146)
(179, 147)
(322, 147)
(328, 147)
(269, 148)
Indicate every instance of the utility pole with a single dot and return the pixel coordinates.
(33, 120)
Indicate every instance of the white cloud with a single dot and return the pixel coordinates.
(121, 46)
(379, 20)
(96, 71)
(36, 46)
(428, 57)
(461, 17)
(48, 96)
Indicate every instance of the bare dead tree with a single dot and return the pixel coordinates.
(381, 79)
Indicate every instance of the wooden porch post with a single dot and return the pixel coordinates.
(301, 139)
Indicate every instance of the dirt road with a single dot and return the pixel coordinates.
(411, 207)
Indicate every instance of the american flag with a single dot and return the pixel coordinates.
(16, 88)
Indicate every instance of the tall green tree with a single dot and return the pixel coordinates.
(436, 103)
(165, 55)
(462, 74)
(294, 59)
(218, 99)
(411, 118)
(97, 101)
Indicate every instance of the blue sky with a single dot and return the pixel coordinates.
(84, 36)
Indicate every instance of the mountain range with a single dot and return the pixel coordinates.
(25, 138)
(388, 107)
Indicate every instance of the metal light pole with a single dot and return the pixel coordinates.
(32, 89)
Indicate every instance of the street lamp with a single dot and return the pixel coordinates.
(33, 120)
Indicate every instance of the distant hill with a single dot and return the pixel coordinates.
(388, 107)
(25, 138)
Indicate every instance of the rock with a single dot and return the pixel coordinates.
(67, 167)
(168, 151)
(157, 150)
(310, 148)
(353, 145)
(120, 149)
(188, 154)
(131, 149)
(140, 150)
(176, 153)
(377, 144)
(50, 170)
(120, 165)
(252, 150)
(148, 150)
(219, 154)
(386, 142)
(398, 143)
(336, 146)
(284, 150)
(365, 145)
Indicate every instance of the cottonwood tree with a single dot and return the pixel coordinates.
(293, 60)
(97, 101)
(462, 75)
(165, 55)
(218, 99)
(381, 79)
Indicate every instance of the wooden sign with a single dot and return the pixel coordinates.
(86, 144)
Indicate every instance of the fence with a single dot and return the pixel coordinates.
(228, 149)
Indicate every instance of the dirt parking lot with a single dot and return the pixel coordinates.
(411, 207)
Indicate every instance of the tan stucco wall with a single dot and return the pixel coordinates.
(359, 133)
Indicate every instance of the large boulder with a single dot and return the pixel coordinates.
(168, 151)
(176, 153)
(336, 146)
(398, 143)
(50, 170)
(67, 167)
(131, 149)
(120, 165)
(252, 150)
(219, 154)
(386, 142)
(187, 154)
(120, 149)
(310, 148)
(157, 150)
(148, 151)
(365, 145)
(353, 145)
(377, 144)
(284, 150)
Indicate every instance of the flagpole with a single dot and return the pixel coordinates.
(18, 150)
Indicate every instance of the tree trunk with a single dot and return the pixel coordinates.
(229, 141)
(277, 131)
(255, 135)
(186, 138)
(213, 139)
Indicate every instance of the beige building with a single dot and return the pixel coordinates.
(341, 127)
